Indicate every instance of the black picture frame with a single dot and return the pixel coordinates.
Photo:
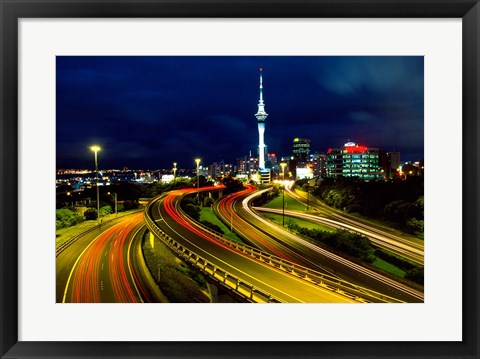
(12, 10)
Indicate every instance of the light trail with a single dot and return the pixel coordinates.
(225, 209)
(250, 269)
(413, 254)
(102, 271)
(367, 272)
(374, 232)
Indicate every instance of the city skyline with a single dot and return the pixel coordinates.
(148, 112)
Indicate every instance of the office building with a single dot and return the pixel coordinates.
(353, 160)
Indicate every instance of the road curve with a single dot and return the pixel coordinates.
(406, 245)
(102, 272)
(166, 214)
(226, 210)
(342, 267)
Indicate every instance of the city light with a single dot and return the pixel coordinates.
(283, 165)
(96, 149)
(197, 160)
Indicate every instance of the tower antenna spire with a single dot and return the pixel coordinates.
(261, 115)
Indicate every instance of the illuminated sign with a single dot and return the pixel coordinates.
(304, 173)
(351, 147)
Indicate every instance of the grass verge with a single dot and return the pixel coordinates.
(379, 263)
(290, 203)
(388, 267)
(176, 280)
(206, 214)
(277, 218)
(64, 234)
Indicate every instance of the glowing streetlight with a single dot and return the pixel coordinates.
(283, 165)
(174, 171)
(197, 160)
(96, 149)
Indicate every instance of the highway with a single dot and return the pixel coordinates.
(100, 266)
(226, 210)
(166, 214)
(248, 223)
(406, 245)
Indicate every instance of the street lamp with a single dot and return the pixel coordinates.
(174, 171)
(197, 160)
(96, 149)
(283, 165)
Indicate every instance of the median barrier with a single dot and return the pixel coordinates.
(241, 287)
(310, 274)
(73, 239)
(350, 290)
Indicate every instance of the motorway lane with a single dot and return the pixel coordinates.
(413, 254)
(102, 271)
(255, 237)
(406, 245)
(340, 266)
(66, 259)
(269, 279)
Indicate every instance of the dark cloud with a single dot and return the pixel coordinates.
(147, 112)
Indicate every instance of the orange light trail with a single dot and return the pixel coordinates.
(101, 273)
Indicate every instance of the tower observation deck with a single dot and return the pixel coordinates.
(261, 116)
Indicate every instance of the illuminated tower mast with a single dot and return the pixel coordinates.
(261, 115)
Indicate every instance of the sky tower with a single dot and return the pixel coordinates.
(261, 115)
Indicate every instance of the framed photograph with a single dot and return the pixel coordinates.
(257, 179)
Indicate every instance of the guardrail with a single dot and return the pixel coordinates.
(241, 287)
(347, 289)
(73, 239)
(357, 292)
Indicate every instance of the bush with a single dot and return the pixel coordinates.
(266, 197)
(130, 205)
(208, 201)
(105, 210)
(415, 225)
(396, 202)
(90, 214)
(415, 275)
(395, 260)
(212, 226)
(66, 217)
(352, 244)
(192, 211)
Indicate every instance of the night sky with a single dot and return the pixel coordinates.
(148, 112)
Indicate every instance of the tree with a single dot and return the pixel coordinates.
(105, 210)
(232, 185)
(192, 211)
(415, 275)
(208, 201)
(90, 214)
(66, 217)
(212, 226)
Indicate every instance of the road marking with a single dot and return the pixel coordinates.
(75, 265)
(78, 259)
(129, 266)
(231, 266)
(102, 266)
